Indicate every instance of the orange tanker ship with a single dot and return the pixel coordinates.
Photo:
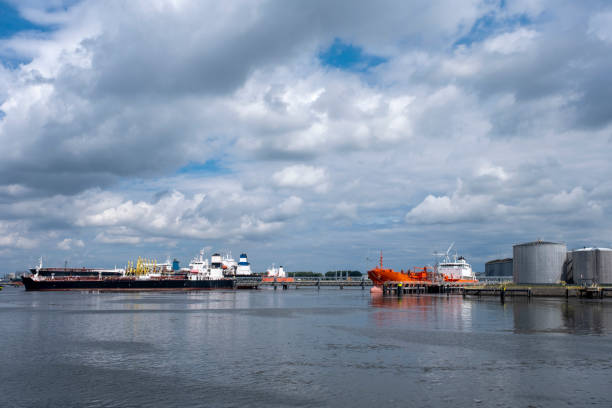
(380, 275)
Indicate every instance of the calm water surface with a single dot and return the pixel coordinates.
(300, 348)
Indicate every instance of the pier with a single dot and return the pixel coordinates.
(423, 287)
(566, 291)
(595, 292)
(301, 282)
(417, 288)
(389, 288)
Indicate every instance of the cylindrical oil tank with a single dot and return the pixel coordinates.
(591, 265)
(604, 266)
(538, 262)
(499, 267)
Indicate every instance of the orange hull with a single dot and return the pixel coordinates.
(380, 275)
(272, 279)
(447, 279)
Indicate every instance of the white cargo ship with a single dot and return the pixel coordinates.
(453, 268)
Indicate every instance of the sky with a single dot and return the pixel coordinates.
(307, 134)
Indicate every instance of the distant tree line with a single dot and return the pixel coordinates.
(352, 274)
(307, 274)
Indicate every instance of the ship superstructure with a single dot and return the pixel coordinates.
(244, 267)
(200, 268)
(229, 264)
(454, 268)
(276, 272)
(220, 266)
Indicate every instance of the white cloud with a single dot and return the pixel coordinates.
(117, 239)
(453, 209)
(291, 206)
(13, 235)
(345, 210)
(299, 175)
(493, 171)
(510, 43)
(68, 243)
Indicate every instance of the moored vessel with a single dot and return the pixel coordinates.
(455, 269)
(381, 275)
(125, 283)
(142, 275)
(274, 274)
(449, 270)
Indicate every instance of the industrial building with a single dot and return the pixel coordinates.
(498, 267)
(539, 262)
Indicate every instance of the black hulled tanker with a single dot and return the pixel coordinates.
(125, 283)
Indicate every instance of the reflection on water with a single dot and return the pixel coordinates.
(593, 318)
(301, 348)
(528, 315)
(572, 317)
(427, 311)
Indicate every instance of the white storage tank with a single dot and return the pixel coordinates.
(538, 262)
(591, 265)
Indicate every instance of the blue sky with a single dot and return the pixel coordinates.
(308, 135)
(349, 57)
(490, 24)
(11, 22)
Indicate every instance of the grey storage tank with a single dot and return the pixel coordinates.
(538, 262)
(591, 265)
(499, 267)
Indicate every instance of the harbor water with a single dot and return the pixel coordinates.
(301, 348)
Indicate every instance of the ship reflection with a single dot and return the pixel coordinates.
(427, 311)
(404, 302)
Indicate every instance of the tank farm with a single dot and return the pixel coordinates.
(536, 269)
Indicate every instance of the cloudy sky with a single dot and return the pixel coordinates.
(310, 134)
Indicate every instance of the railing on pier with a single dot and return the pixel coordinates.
(304, 282)
(594, 292)
(422, 287)
(502, 292)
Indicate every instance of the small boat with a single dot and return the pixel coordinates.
(276, 275)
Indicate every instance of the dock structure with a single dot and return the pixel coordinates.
(594, 292)
(388, 288)
(502, 292)
(423, 287)
(300, 282)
